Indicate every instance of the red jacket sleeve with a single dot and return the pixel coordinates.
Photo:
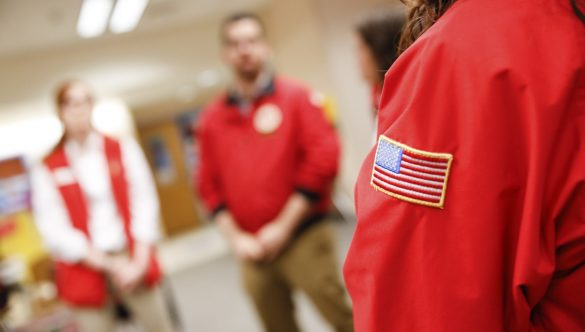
(206, 178)
(319, 149)
(562, 308)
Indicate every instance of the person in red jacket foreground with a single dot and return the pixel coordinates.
(96, 208)
(268, 160)
(471, 208)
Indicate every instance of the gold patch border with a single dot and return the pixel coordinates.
(447, 156)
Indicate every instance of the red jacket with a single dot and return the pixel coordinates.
(78, 284)
(488, 232)
(253, 173)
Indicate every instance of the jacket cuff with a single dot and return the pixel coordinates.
(310, 195)
(220, 207)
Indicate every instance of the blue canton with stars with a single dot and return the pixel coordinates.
(389, 156)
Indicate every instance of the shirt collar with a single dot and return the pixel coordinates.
(92, 142)
(266, 86)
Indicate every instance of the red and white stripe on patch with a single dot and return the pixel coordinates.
(409, 174)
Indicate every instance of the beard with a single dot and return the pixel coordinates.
(249, 70)
(249, 75)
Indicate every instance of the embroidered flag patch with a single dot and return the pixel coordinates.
(409, 174)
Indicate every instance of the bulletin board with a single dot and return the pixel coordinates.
(19, 239)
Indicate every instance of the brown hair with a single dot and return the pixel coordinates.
(380, 31)
(240, 16)
(424, 13)
(62, 89)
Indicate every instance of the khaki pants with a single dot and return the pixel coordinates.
(309, 264)
(146, 305)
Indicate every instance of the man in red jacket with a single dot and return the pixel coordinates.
(471, 209)
(268, 160)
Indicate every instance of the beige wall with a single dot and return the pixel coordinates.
(294, 29)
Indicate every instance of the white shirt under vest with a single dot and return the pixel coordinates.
(88, 165)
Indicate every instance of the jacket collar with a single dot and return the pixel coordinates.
(266, 87)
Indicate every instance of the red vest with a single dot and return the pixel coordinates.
(78, 284)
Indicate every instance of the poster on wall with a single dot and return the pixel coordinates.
(14, 187)
(164, 169)
(186, 123)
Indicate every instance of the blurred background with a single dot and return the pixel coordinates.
(151, 79)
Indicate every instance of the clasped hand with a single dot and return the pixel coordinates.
(264, 246)
(125, 273)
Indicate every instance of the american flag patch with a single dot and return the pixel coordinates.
(409, 174)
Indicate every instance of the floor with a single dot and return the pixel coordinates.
(204, 286)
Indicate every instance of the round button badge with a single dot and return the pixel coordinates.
(267, 119)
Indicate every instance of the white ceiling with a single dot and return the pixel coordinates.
(175, 41)
(29, 25)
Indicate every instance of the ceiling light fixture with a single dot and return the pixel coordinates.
(93, 18)
(126, 15)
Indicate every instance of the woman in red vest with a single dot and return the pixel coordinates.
(471, 208)
(97, 210)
